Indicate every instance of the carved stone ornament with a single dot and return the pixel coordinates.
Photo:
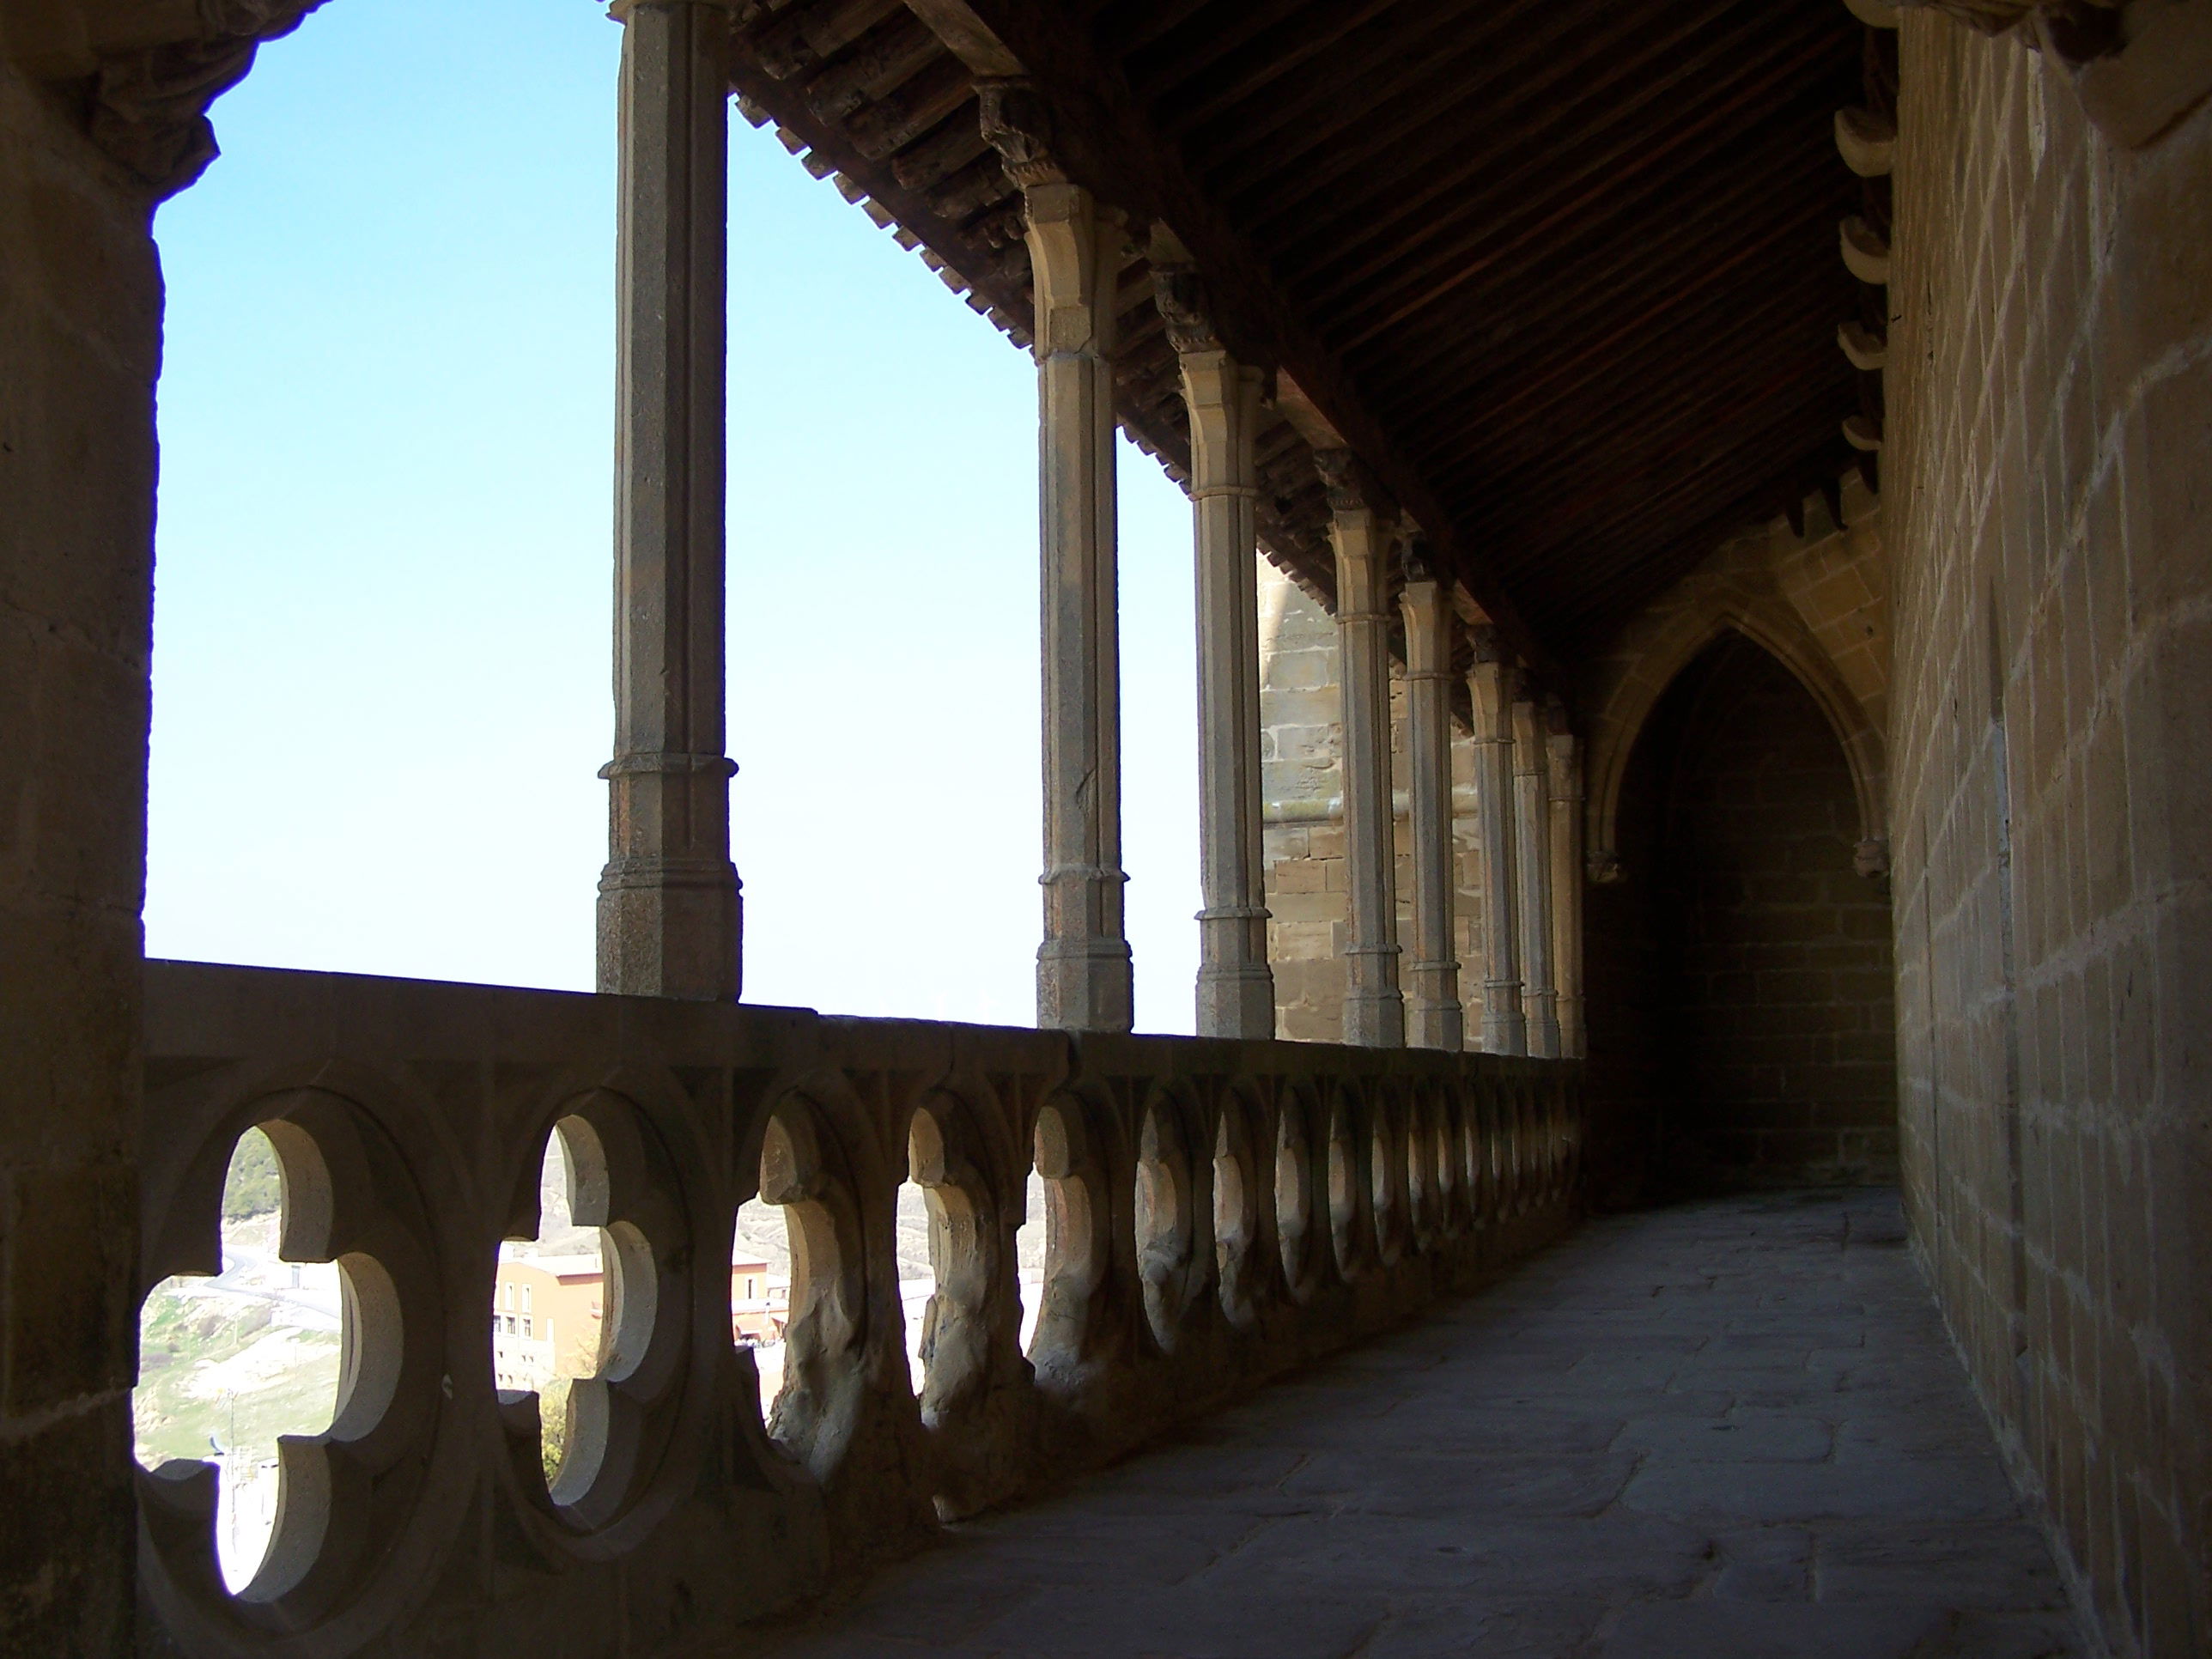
(1603, 868)
(1870, 858)
(1418, 559)
(1179, 296)
(150, 107)
(1017, 124)
(1487, 644)
(1351, 487)
(2137, 66)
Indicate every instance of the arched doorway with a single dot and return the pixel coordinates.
(1742, 1031)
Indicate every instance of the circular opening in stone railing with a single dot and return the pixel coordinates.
(1293, 1192)
(1343, 1186)
(1164, 1221)
(956, 1254)
(1236, 1213)
(1073, 1252)
(1385, 1169)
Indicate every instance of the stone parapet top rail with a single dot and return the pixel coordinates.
(1217, 1213)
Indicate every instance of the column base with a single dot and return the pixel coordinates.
(1236, 1001)
(1544, 1027)
(670, 927)
(1085, 985)
(1435, 1025)
(1434, 1018)
(1505, 1027)
(1375, 1019)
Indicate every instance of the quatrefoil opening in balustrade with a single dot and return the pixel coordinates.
(808, 1359)
(1076, 1248)
(589, 1311)
(279, 1396)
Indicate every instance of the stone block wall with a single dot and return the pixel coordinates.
(80, 346)
(2048, 475)
(1300, 714)
(1782, 1027)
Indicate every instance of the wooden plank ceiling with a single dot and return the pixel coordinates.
(1564, 272)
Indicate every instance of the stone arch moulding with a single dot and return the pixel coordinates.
(1654, 664)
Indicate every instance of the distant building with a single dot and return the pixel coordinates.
(548, 1313)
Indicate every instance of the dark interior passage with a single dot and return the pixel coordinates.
(1740, 991)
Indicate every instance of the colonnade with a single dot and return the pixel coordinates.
(669, 907)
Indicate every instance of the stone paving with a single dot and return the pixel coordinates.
(1724, 1431)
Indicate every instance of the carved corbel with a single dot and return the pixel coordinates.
(1179, 296)
(2137, 66)
(150, 105)
(1017, 124)
(1417, 560)
(1351, 485)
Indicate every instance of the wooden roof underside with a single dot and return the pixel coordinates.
(1564, 272)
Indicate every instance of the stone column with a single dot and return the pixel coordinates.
(1235, 987)
(1532, 836)
(1489, 686)
(1435, 1019)
(668, 899)
(1083, 966)
(1373, 1009)
(1566, 789)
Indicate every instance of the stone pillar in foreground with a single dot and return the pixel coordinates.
(1235, 988)
(669, 921)
(1566, 790)
(1489, 686)
(1434, 1017)
(1373, 1009)
(1083, 966)
(1532, 837)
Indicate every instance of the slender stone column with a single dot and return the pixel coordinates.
(1566, 787)
(1083, 966)
(669, 916)
(1435, 1019)
(1532, 836)
(1489, 686)
(1235, 987)
(1373, 1009)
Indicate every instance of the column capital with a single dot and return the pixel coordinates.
(1417, 558)
(1179, 296)
(1017, 122)
(1529, 727)
(1489, 645)
(1351, 484)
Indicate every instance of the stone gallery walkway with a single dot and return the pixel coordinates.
(1715, 1431)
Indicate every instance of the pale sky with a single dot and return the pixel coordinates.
(381, 667)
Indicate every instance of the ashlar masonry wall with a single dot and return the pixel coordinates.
(80, 346)
(1302, 780)
(2048, 483)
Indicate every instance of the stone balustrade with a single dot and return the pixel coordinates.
(1220, 1213)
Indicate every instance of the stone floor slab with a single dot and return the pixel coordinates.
(1724, 1431)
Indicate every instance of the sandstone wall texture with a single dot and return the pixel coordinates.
(80, 344)
(2048, 481)
(1301, 711)
(1744, 1024)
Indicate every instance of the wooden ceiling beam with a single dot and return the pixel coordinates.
(1263, 69)
(1552, 181)
(1444, 104)
(1110, 143)
(1629, 492)
(1656, 396)
(1641, 270)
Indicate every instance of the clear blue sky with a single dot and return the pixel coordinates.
(381, 665)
